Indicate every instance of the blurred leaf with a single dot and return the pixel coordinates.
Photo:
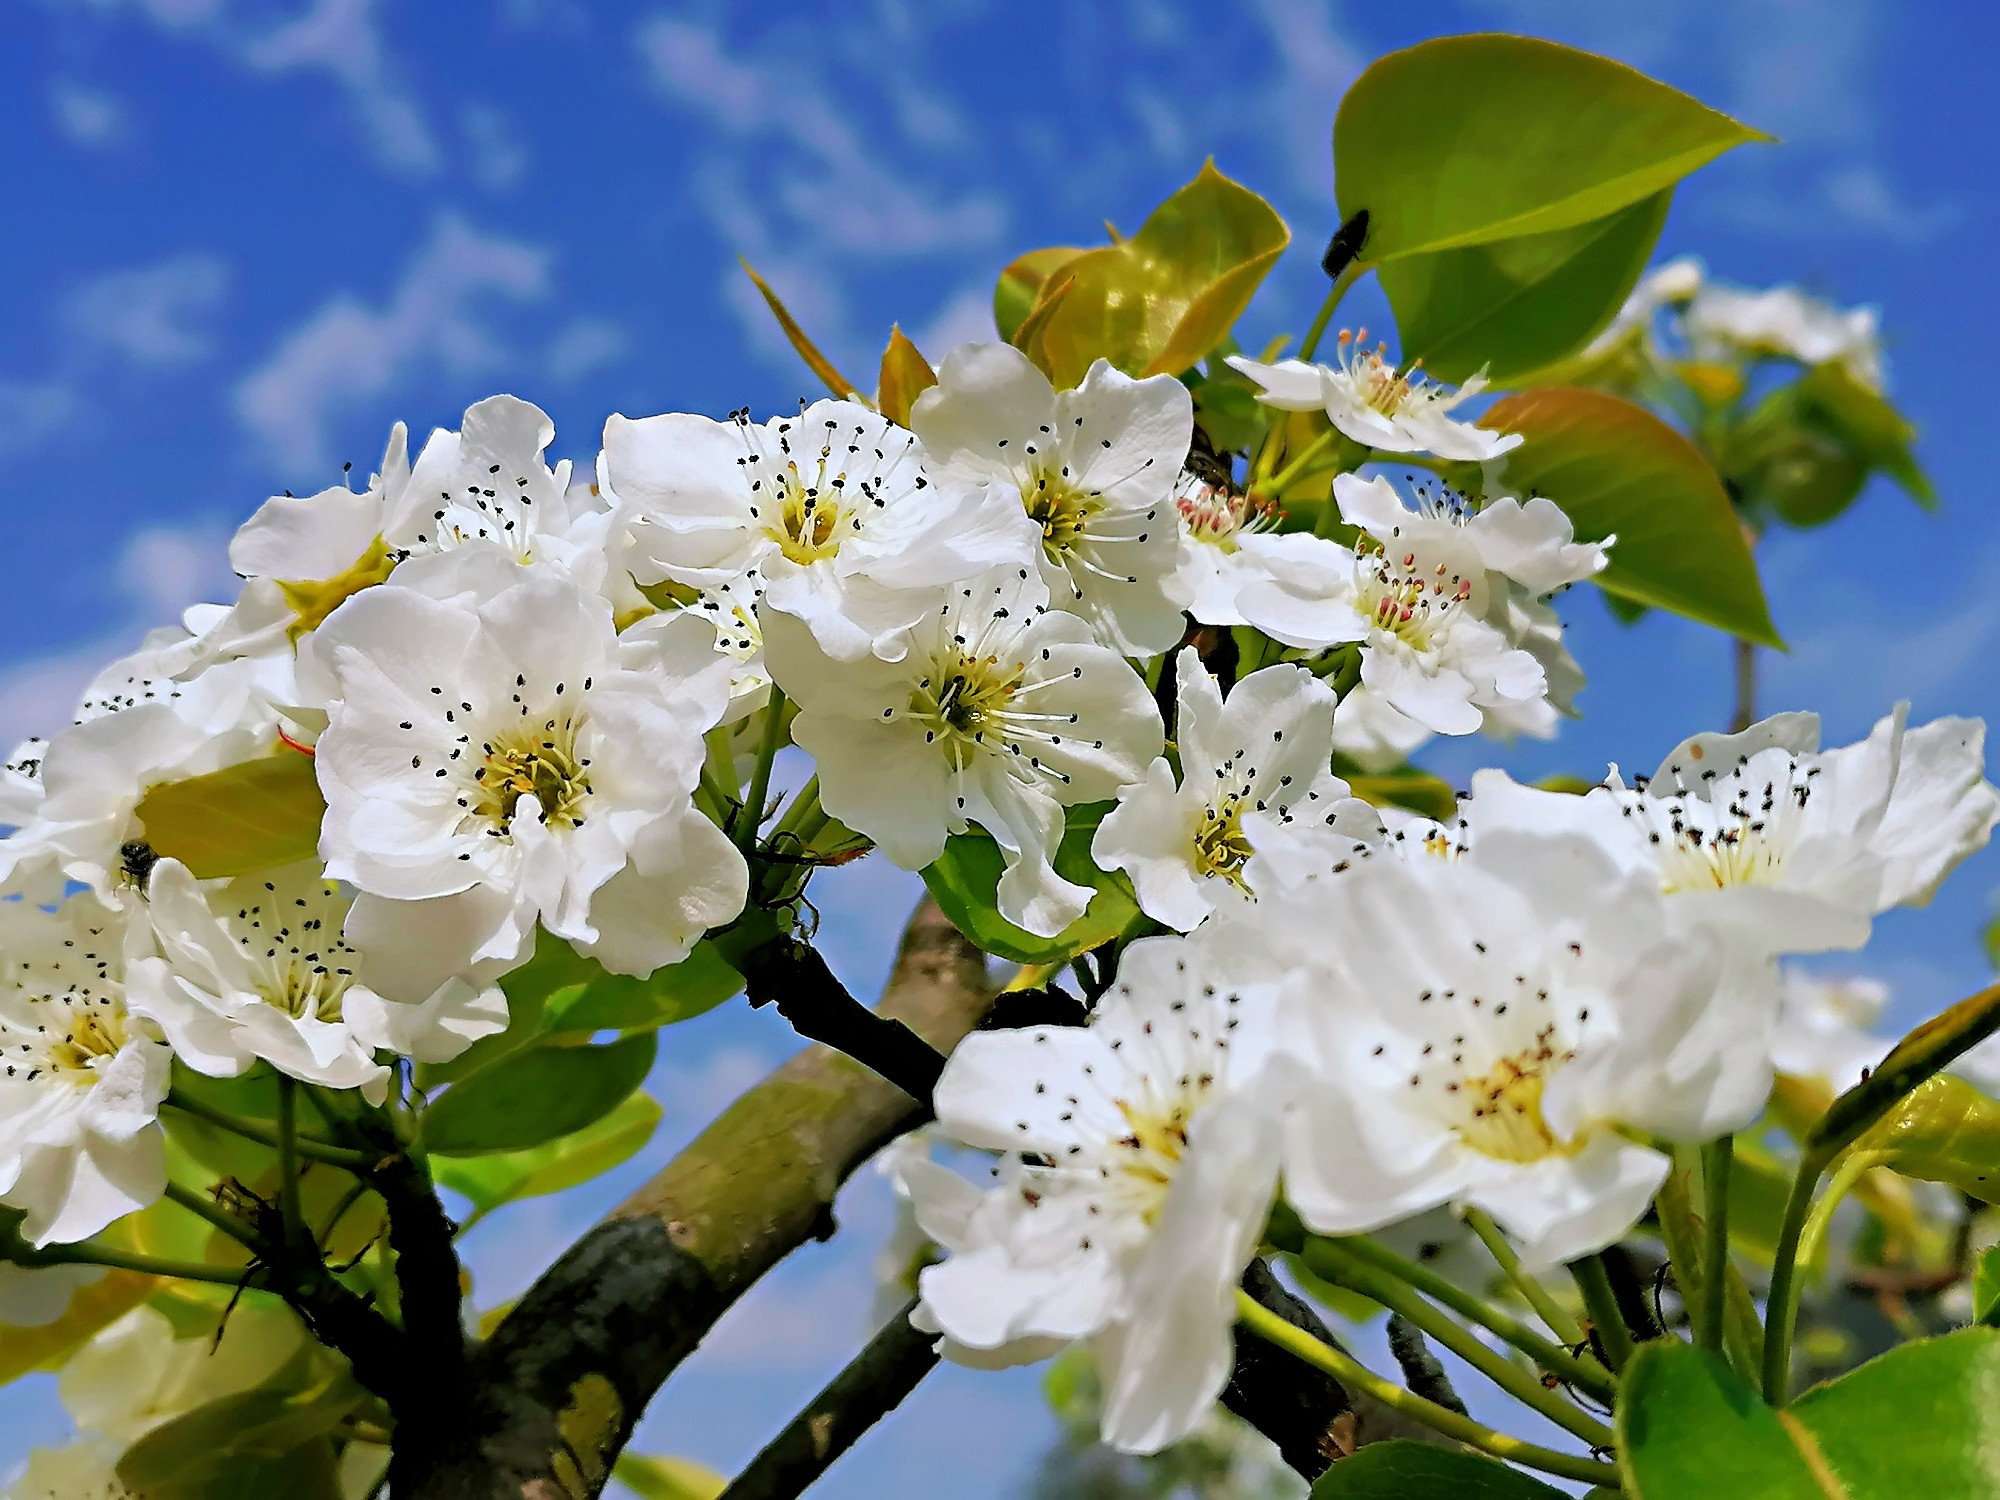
(1405, 786)
(819, 364)
(1615, 468)
(1805, 477)
(1872, 429)
(1990, 939)
(1469, 139)
(506, 1177)
(1928, 1049)
(1157, 303)
(1404, 1470)
(1759, 1185)
(1918, 1420)
(618, 1002)
(1517, 306)
(653, 1478)
(1020, 286)
(965, 879)
(251, 816)
(91, 1308)
(1986, 1287)
(1944, 1131)
(905, 375)
(213, 1445)
(1227, 409)
(1028, 337)
(535, 1096)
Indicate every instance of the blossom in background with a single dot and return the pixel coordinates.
(81, 1076)
(1671, 285)
(1371, 401)
(1138, 1167)
(833, 510)
(1479, 1030)
(1723, 322)
(1822, 1031)
(35, 1296)
(1095, 469)
(1263, 750)
(996, 710)
(256, 967)
(488, 767)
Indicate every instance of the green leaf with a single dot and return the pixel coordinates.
(617, 1002)
(535, 1096)
(1401, 786)
(1516, 306)
(653, 1478)
(1403, 1470)
(252, 816)
(1873, 430)
(1945, 1130)
(964, 881)
(1020, 286)
(1986, 1287)
(1759, 1185)
(807, 350)
(1929, 1049)
(1919, 1420)
(1469, 139)
(1226, 406)
(1615, 468)
(91, 1309)
(506, 1177)
(218, 1441)
(1990, 941)
(1157, 303)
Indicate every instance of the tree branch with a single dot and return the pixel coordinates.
(819, 1007)
(1422, 1372)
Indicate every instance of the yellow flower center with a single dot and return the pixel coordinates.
(90, 1037)
(1503, 1108)
(1154, 1146)
(1220, 847)
(808, 523)
(967, 702)
(537, 760)
(1062, 511)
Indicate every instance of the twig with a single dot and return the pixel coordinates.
(1296, 1405)
(794, 976)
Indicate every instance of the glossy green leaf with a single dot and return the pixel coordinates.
(1469, 139)
(536, 1095)
(1160, 301)
(219, 1441)
(964, 881)
(506, 1177)
(1404, 1470)
(251, 816)
(1919, 1420)
(655, 1478)
(1873, 430)
(1927, 1050)
(1943, 1131)
(1020, 286)
(1226, 407)
(1516, 306)
(1615, 468)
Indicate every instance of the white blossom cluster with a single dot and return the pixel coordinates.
(507, 680)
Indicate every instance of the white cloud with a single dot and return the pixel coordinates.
(339, 37)
(143, 314)
(88, 116)
(31, 410)
(1316, 64)
(348, 351)
(498, 156)
(583, 345)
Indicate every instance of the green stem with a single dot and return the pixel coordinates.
(1350, 274)
(288, 1161)
(148, 1265)
(1351, 1373)
(1716, 1159)
(1291, 471)
(1850, 1172)
(1681, 1230)
(195, 1203)
(1331, 1259)
(1546, 1307)
(760, 777)
(305, 1145)
(1557, 1360)
(1781, 1305)
(1595, 1284)
(805, 818)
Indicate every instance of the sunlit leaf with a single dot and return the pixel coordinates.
(965, 880)
(651, 1477)
(1514, 307)
(1986, 1287)
(535, 1095)
(1468, 139)
(905, 375)
(251, 816)
(1943, 1131)
(1615, 468)
(1927, 1050)
(1872, 429)
(1020, 286)
(506, 1177)
(91, 1308)
(817, 362)
(1405, 1470)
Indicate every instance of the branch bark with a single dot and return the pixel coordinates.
(557, 1389)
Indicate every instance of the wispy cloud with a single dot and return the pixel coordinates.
(90, 117)
(349, 352)
(583, 345)
(152, 315)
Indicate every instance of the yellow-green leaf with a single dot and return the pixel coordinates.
(965, 879)
(1468, 139)
(906, 375)
(1869, 427)
(536, 1095)
(1943, 1131)
(655, 1478)
(507, 1177)
(820, 365)
(1158, 302)
(1020, 286)
(255, 815)
(1615, 468)
(1927, 1050)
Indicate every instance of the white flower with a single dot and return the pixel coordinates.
(81, 1078)
(485, 768)
(1822, 1030)
(36, 1296)
(1366, 398)
(1476, 1030)
(833, 509)
(256, 967)
(1139, 1166)
(1264, 750)
(1372, 732)
(84, 1470)
(1724, 321)
(1795, 848)
(999, 711)
(1095, 469)
(136, 1375)
(1214, 568)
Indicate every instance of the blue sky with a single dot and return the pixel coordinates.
(243, 238)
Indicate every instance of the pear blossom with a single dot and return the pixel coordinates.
(1138, 1166)
(1722, 322)
(81, 1075)
(833, 511)
(1095, 469)
(1214, 568)
(84, 1470)
(1479, 1030)
(137, 1374)
(995, 710)
(36, 1296)
(1373, 733)
(1794, 847)
(1263, 750)
(1369, 400)
(256, 967)
(488, 767)
(1822, 1031)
